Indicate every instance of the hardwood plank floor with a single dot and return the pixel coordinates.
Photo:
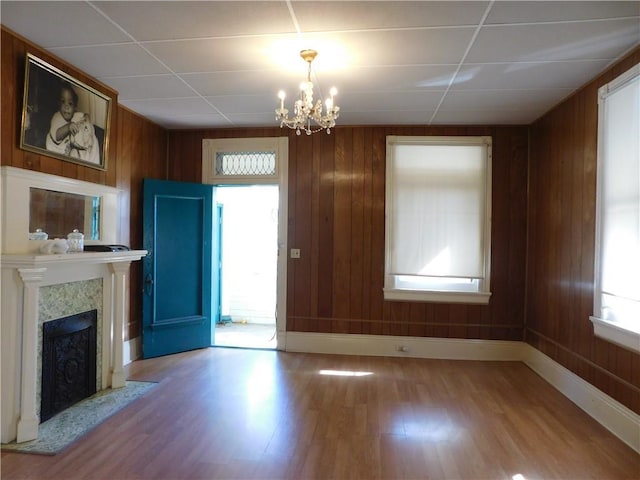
(257, 414)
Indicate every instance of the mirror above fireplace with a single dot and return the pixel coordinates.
(58, 213)
(55, 205)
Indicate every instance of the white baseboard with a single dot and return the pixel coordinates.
(415, 347)
(131, 350)
(615, 417)
(611, 414)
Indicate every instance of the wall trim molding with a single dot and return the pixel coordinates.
(611, 414)
(132, 350)
(413, 347)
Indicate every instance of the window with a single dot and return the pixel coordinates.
(438, 210)
(242, 160)
(245, 163)
(616, 312)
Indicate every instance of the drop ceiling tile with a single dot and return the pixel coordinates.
(319, 16)
(212, 55)
(502, 99)
(534, 75)
(412, 77)
(385, 117)
(111, 60)
(148, 86)
(375, 101)
(486, 117)
(264, 119)
(177, 106)
(242, 104)
(200, 19)
(443, 46)
(235, 83)
(178, 122)
(57, 24)
(554, 42)
(529, 12)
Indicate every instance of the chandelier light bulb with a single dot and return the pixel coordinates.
(308, 116)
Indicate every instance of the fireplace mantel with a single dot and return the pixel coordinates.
(22, 277)
(69, 259)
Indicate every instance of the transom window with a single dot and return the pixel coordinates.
(245, 163)
(227, 161)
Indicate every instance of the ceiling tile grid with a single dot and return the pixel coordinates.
(201, 64)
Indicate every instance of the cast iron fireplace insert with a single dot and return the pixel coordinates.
(68, 362)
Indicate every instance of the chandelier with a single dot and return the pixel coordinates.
(307, 115)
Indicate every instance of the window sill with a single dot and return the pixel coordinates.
(481, 298)
(614, 333)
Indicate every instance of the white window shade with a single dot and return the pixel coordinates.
(438, 211)
(617, 293)
(438, 219)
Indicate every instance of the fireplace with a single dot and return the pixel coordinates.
(25, 278)
(28, 276)
(68, 362)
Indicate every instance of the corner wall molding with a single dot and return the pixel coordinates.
(608, 412)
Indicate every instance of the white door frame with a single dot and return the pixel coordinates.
(279, 145)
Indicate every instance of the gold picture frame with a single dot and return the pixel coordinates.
(63, 117)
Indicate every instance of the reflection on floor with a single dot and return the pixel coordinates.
(246, 335)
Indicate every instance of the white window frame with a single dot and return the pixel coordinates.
(210, 147)
(448, 292)
(625, 334)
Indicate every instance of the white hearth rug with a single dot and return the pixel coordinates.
(66, 427)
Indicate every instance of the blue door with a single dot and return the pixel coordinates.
(180, 296)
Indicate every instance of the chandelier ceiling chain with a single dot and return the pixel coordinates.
(308, 116)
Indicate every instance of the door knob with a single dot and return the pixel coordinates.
(148, 284)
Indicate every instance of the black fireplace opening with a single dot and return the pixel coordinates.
(68, 362)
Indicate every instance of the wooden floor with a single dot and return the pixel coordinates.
(254, 414)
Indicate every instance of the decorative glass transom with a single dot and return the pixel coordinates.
(245, 163)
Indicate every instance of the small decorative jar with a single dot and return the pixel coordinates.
(38, 235)
(76, 241)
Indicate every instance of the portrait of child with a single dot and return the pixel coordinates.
(71, 132)
(63, 117)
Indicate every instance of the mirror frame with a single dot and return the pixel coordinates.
(16, 185)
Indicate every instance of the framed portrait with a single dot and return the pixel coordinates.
(63, 117)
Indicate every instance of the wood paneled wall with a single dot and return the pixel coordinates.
(336, 219)
(137, 149)
(142, 153)
(560, 265)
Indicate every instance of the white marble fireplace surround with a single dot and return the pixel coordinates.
(25, 272)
